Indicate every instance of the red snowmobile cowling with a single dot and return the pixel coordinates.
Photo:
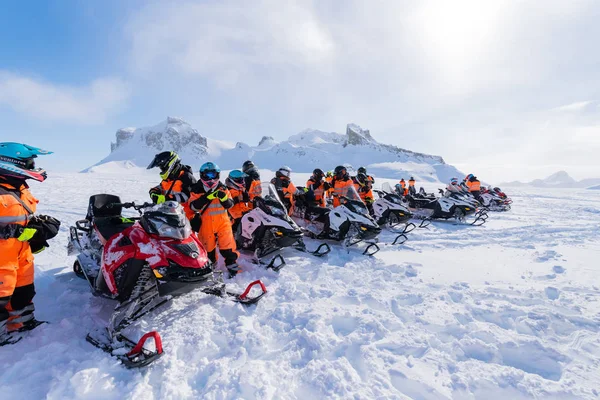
(135, 243)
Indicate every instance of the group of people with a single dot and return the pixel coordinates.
(215, 209)
(470, 184)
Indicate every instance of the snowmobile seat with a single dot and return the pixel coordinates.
(102, 205)
(107, 227)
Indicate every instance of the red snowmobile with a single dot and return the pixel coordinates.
(141, 262)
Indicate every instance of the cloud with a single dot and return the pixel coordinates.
(37, 99)
(466, 79)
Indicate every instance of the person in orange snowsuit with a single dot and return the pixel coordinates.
(474, 185)
(363, 186)
(236, 184)
(404, 188)
(319, 188)
(21, 235)
(210, 199)
(340, 184)
(176, 181)
(253, 186)
(285, 187)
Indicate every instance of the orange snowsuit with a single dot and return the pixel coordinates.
(216, 226)
(411, 182)
(240, 207)
(179, 189)
(474, 186)
(319, 191)
(340, 188)
(255, 190)
(365, 193)
(16, 260)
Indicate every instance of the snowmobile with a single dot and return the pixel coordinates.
(494, 199)
(141, 263)
(451, 205)
(389, 210)
(348, 223)
(267, 228)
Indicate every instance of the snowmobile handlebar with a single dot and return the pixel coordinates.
(136, 207)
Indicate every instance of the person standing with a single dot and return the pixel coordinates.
(21, 235)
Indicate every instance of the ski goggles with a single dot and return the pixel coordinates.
(210, 175)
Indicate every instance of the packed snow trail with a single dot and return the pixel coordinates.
(507, 310)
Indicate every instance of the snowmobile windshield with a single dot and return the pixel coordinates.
(386, 187)
(353, 201)
(271, 203)
(167, 220)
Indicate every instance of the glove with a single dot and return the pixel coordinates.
(222, 196)
(368, 200)
(285, 183)
(196, 222)
(200, 203)
(326, 186)
(27, 234)
(158, 198)
(245, 197)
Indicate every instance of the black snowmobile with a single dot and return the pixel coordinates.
(349, 223)
(452, 205)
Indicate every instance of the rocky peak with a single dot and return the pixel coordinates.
(172, 134)
(358, 136)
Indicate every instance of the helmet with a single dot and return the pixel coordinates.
(168, 162)
(362, 170)
(468, 177)
(250, 169)
(361, 178)
(284, 172)
(329, 174)
(17, 161)
(454, 181)
(340, 172)
(210, 174)
(318, 174)
(411, 179)
(235, 180)
(402, 180)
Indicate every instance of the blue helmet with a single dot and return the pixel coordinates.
(210, 173)
(210, 166)
(17, 161)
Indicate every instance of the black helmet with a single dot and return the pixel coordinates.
(168, 162)
(362, 170)
(361, 177)
(318, 174)
(411, 178)
(247, 165)
(340, 172)
(250, 169)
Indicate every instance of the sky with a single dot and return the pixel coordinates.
(508, 90)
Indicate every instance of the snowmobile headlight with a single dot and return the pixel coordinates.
(364, 228)
(467, 208)
(279, 233)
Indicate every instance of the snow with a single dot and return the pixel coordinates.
(510, 310)
(302, 152)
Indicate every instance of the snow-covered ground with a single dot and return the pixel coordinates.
(509, 310)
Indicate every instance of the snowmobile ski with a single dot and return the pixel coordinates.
(322, 250)
(131, 354)
(276, 263)
(241, 298)
(368, 251)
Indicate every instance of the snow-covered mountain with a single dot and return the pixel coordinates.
(303, 152)
(558, 179)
